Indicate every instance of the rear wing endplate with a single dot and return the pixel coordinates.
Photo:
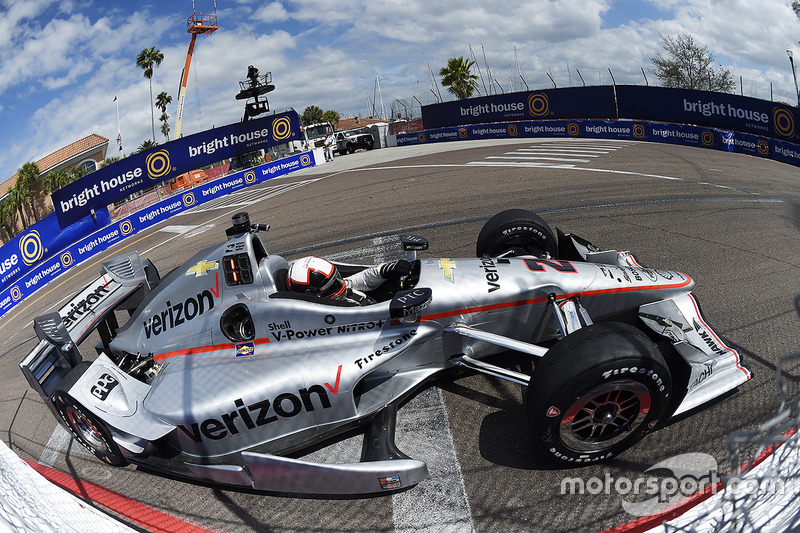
(123, 284)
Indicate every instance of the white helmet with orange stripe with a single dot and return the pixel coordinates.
(316, 276)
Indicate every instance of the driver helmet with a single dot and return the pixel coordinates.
(317, 276)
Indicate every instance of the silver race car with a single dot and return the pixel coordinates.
(221, 374)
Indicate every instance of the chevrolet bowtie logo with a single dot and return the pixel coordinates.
(447, 266)
(202, 268)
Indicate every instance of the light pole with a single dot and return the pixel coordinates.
(794, 74)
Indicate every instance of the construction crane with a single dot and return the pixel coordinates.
(195, 25)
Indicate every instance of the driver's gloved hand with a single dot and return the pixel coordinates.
(396, 269)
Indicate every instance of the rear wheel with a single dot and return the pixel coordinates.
(516, 232)
(85, 427)
(597, 392)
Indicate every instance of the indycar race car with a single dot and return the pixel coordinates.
(221, 374)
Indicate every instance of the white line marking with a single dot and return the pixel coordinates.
(533, 158)
(565, 150)
(177, 228)
(440, 502)
(60, 440)
(517, 164)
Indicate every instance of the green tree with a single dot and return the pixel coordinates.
(146, 145)
(688, 65)
(113, 159)
(330, 116)
(6, 212)
(162, 101)
(312, 115)
(165, 125)
(55, 179)
(17, 198)
(27, 176)
(148, 59)
(457, 76)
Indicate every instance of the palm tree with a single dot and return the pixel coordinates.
(162, 101)
(146, 145)
(5, 213)
(16, 199)
(165, 125)
(55, 179)
(147, 60)
(111, 160)
(27, 176)
(457, 76)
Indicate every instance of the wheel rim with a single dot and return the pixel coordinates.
(86, 430)
(605, 416)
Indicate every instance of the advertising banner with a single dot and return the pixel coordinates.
(28, 279)
(570, 102)
(715, 110)
(42, 240)
(145, 169)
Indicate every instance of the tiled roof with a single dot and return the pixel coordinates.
(59, 156)
(69, 151)
(354, 123)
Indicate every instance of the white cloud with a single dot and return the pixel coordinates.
(327, 53)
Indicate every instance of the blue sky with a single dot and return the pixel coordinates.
(62, 62)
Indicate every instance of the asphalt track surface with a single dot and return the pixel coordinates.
(730, 221)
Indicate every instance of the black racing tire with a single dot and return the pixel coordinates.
(596, 393)
(87, 429)
(350, 148)
(516, 232)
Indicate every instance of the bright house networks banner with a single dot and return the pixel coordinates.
(140, 171)
(28, 279)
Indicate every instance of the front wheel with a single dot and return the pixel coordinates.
(88, 430)
(597, 392)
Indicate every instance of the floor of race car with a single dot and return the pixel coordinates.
(730, 221)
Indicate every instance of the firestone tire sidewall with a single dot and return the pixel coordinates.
(111, 454)
(564, 389)
(512, 225)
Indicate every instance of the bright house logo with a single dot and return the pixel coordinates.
(158, 165)
(125, 227)
(31, 247)
(281, 128)
(783, 121)
(538, 105)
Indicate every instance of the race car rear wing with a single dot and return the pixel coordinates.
(123, 284)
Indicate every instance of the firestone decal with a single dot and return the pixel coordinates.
(385, 349)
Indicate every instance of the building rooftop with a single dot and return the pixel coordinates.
(59, 156)
(356, 122)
